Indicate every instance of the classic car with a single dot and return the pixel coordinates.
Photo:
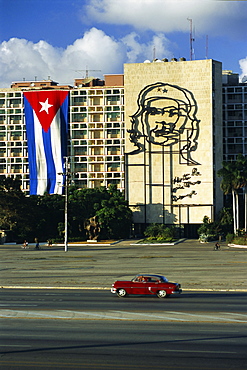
(144, 284)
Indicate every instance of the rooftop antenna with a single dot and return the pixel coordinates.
(206, 46)
(87, 70)
(154, 53)
(191, 39)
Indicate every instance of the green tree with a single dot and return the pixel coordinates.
(114, 214)
(234, 177)
(83, 204)
(208, 230)
(109, 205)
(48, 212)
(42, 217)
(15, 214)
(225, 221)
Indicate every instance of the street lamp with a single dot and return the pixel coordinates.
(66, 206)
(67, 175)
(66, 184)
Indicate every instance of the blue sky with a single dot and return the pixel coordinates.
(63, 38)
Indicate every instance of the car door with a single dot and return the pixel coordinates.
(139, 287)
(152, 285)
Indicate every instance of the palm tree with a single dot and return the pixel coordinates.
(227, 186)
(241, 169)
(234, 177)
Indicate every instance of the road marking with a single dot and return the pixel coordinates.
(236, 314)
(18, 305)
(121, 315)
(213, 317)
(105, 316)
(15, 345)
(148, 315)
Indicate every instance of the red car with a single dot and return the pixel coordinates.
(146, 284)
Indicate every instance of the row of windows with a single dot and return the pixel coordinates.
(235, 106)
(99, 159)
(97, 92)
(235, 148)
(89, 109)
(234, 89)
(11, 94)
(235, 114)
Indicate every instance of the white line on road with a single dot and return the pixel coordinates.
(18, 305)
(120, 315)
(15, 345)
(211, 317)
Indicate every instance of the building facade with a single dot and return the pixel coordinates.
(234, 116)
(96, 131)
(155, 132)
(173, 145)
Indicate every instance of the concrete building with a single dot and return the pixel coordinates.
(96, 131)
(234, 116)
(173, 117)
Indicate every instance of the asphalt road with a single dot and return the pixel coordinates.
(221, 307)
(72, 321)
(120, 345)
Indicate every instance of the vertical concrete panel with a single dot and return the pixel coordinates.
(173, 117)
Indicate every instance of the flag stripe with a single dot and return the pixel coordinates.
(41, 168)
(31, 147)
(57, 154)
(51, 172)
(47, 145)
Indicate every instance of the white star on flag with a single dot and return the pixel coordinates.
(45, 106)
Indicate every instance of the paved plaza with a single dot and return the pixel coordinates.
(195, 265)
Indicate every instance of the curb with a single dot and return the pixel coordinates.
(108, 288)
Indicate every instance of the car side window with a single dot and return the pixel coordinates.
(154, 280)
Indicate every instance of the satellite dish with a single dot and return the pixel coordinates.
(244, 79)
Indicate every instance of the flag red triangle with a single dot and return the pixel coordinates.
(46, 105)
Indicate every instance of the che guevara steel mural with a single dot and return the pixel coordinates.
(166, 116)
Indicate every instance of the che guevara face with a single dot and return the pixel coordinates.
(160, 117)
(166, 115)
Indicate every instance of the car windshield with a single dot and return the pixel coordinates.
(164, 279)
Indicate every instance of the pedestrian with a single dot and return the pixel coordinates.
(25, 244)
(36, 243)
(216, 246)
(49, 242)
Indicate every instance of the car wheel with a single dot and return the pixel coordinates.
(161, 294)
(121, 292)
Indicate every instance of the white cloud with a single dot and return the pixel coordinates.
(95, 51)
(168, 15)
(243, 66)
(20, 59)
(136, 51)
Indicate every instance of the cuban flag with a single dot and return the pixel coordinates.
(46, 116)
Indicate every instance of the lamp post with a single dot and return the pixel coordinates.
(66, 206)
(67, 176)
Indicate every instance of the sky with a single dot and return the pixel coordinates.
(67, 39)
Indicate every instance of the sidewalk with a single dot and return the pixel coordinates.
(88, 266)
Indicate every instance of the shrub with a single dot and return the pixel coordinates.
(160, 232)
(240, 240)
(229, 238)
